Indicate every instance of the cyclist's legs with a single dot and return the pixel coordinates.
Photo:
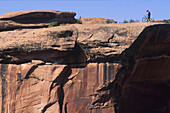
(149, 18)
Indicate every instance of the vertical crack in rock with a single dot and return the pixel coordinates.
(65, 107)
(60, 94)
(105, 74)
(60, 81)
(4, 68)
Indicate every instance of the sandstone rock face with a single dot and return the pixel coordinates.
(34, 19)
(90, 68)
(97, 21)
(54, 88)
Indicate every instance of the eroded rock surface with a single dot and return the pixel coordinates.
(98, 42)
(45, 44)
(54, 88)
(147, 87)
(105, 42)
(142, 84)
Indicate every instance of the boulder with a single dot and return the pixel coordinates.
(34, 19)
(45, 44)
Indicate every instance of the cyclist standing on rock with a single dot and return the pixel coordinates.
(149, 16)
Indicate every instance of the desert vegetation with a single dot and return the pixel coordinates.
(130, 21)
(166, 20)
(79, 21)
(53, 24)
(108, 21)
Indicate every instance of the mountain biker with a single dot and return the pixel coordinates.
(149, 15)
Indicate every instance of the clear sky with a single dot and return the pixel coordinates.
(118, 10)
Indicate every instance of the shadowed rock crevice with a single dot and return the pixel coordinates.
(4, 93)
(60, 93)
(65, 107)
(61, 79)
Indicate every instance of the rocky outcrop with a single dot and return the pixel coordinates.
(142, 84)
(91, 68)
(99, 43)
(97, 21)
(145, 83)
(34, 19)
(105, 42)
(45, 44)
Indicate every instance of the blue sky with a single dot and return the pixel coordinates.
(118, 10)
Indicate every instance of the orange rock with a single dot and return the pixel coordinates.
(97, 20)
(53, 88)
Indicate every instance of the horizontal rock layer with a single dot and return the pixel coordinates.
(34, 19)
(99, 43)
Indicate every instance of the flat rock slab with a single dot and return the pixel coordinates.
(58, 38)
(34, 19)
(44, 40)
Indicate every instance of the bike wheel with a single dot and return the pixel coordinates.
(144, 19)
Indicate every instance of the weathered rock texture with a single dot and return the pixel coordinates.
(45, 44)
(142, 84)
(146, 88)
(97, 21)
(90, 68)
(34, 19)
(54, 88)
(99, 43)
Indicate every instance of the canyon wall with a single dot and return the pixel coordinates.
(83, 68)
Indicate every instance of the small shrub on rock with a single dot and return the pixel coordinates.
(79, 21)
(131, 20)
(166, 20)
(108, 21)
(125, 21)
(53, 24)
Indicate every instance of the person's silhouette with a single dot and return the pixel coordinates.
(149, 15)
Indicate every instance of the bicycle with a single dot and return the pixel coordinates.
(145, 19)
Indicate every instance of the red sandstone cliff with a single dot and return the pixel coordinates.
(84, 68)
